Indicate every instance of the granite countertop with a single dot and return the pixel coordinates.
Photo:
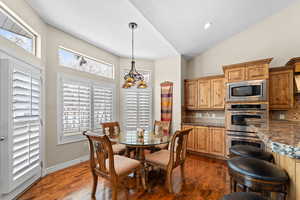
(281, 136)
(220, 124)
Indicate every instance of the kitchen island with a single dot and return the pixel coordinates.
(283, 139)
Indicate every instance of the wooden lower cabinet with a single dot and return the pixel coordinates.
(217, 141)
(201, 139)
(208, 140)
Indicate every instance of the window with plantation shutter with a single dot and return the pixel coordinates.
(23, 98)
(83, 105)
(137, 108)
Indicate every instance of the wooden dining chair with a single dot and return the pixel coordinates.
(165, 128)
(112, 129)
(170, 159)
(114, 168)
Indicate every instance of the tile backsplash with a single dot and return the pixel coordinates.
(196, 116)
(292, 114)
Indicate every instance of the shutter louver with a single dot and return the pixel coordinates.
(103, 105)
(145, 98)
(76, 108)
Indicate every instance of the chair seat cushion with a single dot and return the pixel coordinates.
(118, 148)
(160, 157)
(161, 146)
(243, 196)
(257, 169)
(250, 151)
(123, 165)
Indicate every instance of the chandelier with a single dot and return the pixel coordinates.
(133, 77)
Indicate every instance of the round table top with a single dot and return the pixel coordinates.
(130, 138)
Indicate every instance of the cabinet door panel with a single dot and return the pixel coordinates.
(281, 90)
(202, 139)
(191, 139)
(257, 72)
(235, 74)
(217, 93)
(217, 141)
(203, 93)
(190, 94)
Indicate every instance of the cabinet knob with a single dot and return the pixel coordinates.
(2, 138)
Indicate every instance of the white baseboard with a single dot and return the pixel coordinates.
(60, 166)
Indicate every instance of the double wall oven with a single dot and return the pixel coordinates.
(243, 101)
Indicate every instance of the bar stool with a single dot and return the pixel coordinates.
(257, 176)
(251, 151)
(243, 196)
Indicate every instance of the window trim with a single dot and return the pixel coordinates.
(61, 138)
(89, 57)
(15, 18)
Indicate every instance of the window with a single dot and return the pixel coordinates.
(13, 30)
(68, 58)
(83, 105)
(137, 106)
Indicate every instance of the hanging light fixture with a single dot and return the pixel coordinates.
(133, 77)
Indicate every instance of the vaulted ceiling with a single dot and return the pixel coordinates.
(166, 27)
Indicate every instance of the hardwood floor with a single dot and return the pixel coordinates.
(206, 179)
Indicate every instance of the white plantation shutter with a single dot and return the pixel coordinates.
(137, 108)
(102, 105)
(83, 105)
(76, 107)
(145, 108)
(24, 131)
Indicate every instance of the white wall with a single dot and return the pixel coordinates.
(168, 69)
(55, 38)
(277, 36)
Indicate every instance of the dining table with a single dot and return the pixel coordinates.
(132, 140)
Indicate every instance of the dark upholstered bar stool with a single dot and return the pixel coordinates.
(257, 176)
(243, 196)
(251, 151)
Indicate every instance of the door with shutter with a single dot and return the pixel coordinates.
(20, 124)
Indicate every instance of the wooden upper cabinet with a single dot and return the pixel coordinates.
(217, 144)
(281, 88)
(201, 139)
(217, 93)
(235, 74)
(257, 72)
(204, 93)
(254, 70)
(191, 94)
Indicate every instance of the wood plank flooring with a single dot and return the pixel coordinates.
(206, 179)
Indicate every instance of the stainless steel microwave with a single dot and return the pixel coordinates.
(256, 90)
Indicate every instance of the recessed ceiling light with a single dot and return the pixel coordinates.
(207, 25)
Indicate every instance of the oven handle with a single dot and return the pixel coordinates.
(248, 112)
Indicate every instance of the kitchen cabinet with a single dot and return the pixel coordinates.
(217, 144)
(191, 90)
(206, 140)
(253, 70)
(217, 93)
(204, 93)
(201, 139)
(257, 72)
(235, 74)
(281, 87)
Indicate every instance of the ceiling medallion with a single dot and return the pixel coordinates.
(133, 77)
